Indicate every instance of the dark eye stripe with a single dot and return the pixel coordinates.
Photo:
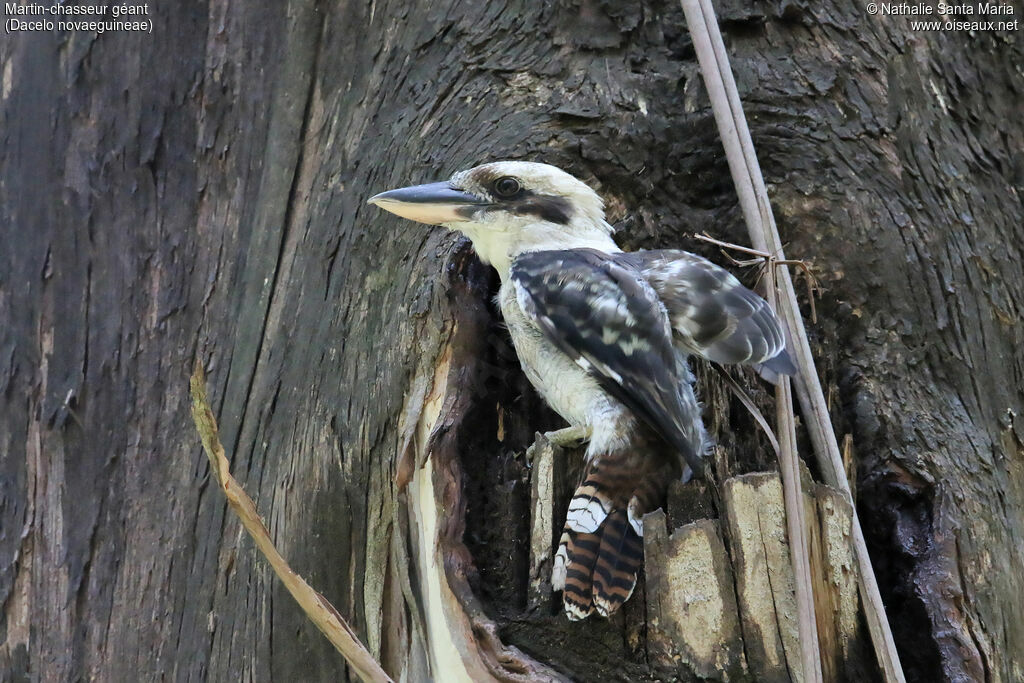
(547, 208)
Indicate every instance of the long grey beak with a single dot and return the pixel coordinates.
(433, 203)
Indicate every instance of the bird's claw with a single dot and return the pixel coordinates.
(568, 437)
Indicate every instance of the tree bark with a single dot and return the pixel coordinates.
(200, 192)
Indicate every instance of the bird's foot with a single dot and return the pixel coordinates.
(570, 437)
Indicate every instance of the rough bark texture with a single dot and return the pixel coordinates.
(201, 191)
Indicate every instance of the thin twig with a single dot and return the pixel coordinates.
(764, 259)
(746, 174)
(704, 237)
(749, 404)
(316, 606)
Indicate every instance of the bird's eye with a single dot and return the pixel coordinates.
(506, 186)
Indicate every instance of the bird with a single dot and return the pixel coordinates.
(605, 337)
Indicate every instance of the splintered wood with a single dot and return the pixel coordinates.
(692, 621)
(543, 485)
(720, 596)
(757, 529)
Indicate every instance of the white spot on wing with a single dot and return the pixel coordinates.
(523, 297)
(608, 372)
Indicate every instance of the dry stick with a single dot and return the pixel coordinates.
(764, 235)
(810, 658)
(796, 524)
(316, 606)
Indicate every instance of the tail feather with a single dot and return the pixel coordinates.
(601, 550)
(574, 566)
(589, 506)
(618, 563)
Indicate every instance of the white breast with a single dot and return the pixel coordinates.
(566, 387)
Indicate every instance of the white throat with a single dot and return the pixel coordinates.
(499, 244)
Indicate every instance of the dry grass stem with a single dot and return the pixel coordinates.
(316, 607)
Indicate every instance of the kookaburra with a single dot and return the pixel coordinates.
(604, 336)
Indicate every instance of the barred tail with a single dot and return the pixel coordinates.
(601, 549)
(573, 572)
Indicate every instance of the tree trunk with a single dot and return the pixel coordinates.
(199, 191)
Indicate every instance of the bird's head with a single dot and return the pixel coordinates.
(508, 207)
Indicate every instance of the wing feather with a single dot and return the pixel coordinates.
(713, 315)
